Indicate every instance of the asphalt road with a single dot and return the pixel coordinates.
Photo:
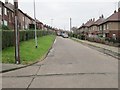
(68, 65)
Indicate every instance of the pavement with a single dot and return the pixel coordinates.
(106, 49)
(69, 64)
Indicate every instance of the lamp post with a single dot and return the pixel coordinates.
(36, 42)
(17, 54)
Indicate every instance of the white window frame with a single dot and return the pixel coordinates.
(104, 27)
(5, 23)
(0, 10)
(5, 11)
(107, 26)
(23, 18)
(100, 27)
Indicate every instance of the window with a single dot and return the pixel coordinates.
(0, 22)
(12, 15)
(107, 26)
(100, 27)
(5, 23)
(104, 27)
(5, 11)
(23, 18)
(0, 11)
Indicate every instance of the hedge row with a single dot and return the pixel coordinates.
(8, 36)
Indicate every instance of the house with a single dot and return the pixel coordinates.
(87, 27)
(25, 22)
(1, 13)
(39, 25)
(94, 28)
(6, 15)
(81, 29)
(110, 26)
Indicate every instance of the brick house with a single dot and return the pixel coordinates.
(28, 21)
(110, 26)
(39, 25)
(1, 13)
(87, 27)
(81, 29)
(6, 15)
(94, 28)
(24, 20)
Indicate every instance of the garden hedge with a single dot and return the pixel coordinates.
(8, 36)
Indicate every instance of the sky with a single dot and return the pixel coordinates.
(57, 13)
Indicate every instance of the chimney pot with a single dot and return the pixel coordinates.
(115, 11)
(102, 16)
(6, 1)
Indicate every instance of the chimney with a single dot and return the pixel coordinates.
(102, 16)
(115, 11)
(6, 1)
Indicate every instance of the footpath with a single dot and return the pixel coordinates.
(106, 49)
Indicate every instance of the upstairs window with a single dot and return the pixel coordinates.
(5, 11)
(0, 10)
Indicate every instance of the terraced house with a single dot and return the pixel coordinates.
(110, 26)
(94, 28)
(6, 15)
(107, 28)
(25, 22)
(1, 7)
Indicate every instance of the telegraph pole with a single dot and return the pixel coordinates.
(36, 43)
(17, 48)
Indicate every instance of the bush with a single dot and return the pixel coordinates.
(8, 36)
(4, 27)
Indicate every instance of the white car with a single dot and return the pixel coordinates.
(65, 35)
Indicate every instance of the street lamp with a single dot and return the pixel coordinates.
(36, 43)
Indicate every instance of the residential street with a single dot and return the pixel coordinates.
(68, 65)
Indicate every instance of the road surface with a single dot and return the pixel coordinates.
(68, 65)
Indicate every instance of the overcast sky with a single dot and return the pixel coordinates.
(61, 10)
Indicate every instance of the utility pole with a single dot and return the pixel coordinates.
(17, 48)
(36, 42)
(70, 24)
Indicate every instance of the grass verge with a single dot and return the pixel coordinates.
(28, 53)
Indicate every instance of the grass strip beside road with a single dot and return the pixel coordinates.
(28, 53)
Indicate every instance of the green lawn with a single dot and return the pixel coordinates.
(28, 52)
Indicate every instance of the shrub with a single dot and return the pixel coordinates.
(4, 27)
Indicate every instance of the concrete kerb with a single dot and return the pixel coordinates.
(16, 68)
(100, 49)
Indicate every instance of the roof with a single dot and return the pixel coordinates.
(89, 23)
(99, 21)
(10, 6)
(113, 18)
(81, 26)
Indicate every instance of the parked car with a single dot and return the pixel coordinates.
(65, 35)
